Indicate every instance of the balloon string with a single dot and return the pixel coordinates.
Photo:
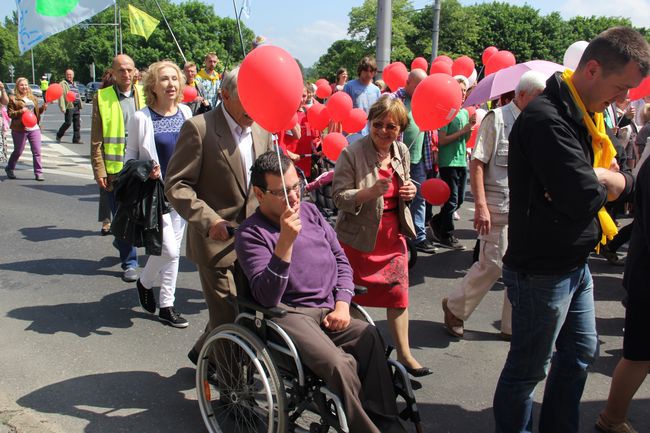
(415, 139)
(284, 185)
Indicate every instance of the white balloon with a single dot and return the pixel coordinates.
(472, 78)
(573, 54)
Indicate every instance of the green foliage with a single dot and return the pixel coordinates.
(343, 53)
(196, 27)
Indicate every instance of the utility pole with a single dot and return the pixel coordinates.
(436, 30)
(33, 74)
(384, 34)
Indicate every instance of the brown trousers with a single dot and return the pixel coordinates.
(352, 364)
(218, 288)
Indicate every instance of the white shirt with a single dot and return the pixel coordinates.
(244, 139)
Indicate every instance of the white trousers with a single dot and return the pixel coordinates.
(480, 278)
(164, 268)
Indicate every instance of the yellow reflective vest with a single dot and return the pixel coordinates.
(113, 128)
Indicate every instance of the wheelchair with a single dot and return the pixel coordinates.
(250, 379)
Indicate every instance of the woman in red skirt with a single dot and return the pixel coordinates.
(371, 189)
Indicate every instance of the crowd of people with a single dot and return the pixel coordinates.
(548, 161)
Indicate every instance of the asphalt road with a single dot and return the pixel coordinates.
(80, 355)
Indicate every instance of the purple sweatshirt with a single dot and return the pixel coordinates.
(319, 273)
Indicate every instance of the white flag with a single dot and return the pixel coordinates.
(40, 19)
(246, 8)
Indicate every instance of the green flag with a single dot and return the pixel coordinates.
(141, 23)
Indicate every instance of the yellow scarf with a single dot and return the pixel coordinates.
(604, 152)
(203, 74)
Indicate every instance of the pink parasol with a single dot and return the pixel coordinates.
(506, 80)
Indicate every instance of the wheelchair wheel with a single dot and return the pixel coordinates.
(238, 386)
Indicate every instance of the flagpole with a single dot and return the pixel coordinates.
(115, 26)
(170, 31)
(119, 14)
(241, 38)
(33, 74)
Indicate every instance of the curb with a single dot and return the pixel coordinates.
(17, 419)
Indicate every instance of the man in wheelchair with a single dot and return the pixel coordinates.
(292, 259)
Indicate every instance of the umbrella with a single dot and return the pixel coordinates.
(505, 80)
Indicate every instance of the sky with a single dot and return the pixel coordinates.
(307, 28)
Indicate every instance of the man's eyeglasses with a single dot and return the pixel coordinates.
(389, 126)
(298, 188)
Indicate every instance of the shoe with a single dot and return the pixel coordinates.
(105, 231)
(130, 275)
(10, 173)
(453, 324)
(611, 256)
(58, 139)
(419, 372)
(171, 316)
(39, 177)
(147, 297)
(608, 427)
(504, 336)
(426, 246)
(77, 142)
(456, 216)
(193, 356)
(451, 242)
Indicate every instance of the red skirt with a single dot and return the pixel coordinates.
(384, 271)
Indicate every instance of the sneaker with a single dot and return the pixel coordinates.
(58, 139)
(39, 177)
(171, 316)
(607, 427)
(130, 275)
(147, 297)
(10, 173)
(426, 246)
(452, 242)
(453, 324)
(456, 216)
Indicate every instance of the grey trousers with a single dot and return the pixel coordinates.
(352, 364)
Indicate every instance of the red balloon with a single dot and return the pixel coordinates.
(318, 116)
(436, 101)
(471, 110)
(29, 119)
(462, 66)
(293, 122)
(70, 96)
(443, 58)
(419, 63)
(270, 86)
(440, 67)
(487, 53)
(189, 94)
(339, 105)
(498, 61)
(53, 92)
(333, 144)
(641, 90)
(395, 75)
(435, 191)
(323, 88)
(355, 121)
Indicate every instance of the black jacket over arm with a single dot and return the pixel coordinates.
(554, 193)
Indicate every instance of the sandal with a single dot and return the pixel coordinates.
(106, 230)
(605, 426)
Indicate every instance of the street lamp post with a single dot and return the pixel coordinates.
(11, 72)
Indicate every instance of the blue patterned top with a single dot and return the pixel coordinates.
(165, 133)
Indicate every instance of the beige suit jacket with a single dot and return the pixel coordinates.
(356, 169)
(205, 183)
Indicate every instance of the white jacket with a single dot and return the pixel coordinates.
(140, 143)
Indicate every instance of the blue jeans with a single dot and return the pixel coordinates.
(456, 178)
(547, 311)
(128, 253)
(418, 207)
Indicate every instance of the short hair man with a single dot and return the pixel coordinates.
(112, 108)
(489, 180)
(70, 109)
(210, 78)
(200, 103)
(278, 248)
(207, 182)
(363, 91)
(561, 172)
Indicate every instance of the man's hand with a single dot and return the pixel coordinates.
(155, 172)
(102, 183)
(339, 319)
(290, 226)
(482, 222)
(407, 191)
(218, 231)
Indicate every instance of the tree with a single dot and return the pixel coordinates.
(342, 53)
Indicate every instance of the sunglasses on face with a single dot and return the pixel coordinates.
(298, 188)
(388, 126)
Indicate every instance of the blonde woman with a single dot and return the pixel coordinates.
(20, 103)
(152, 133)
